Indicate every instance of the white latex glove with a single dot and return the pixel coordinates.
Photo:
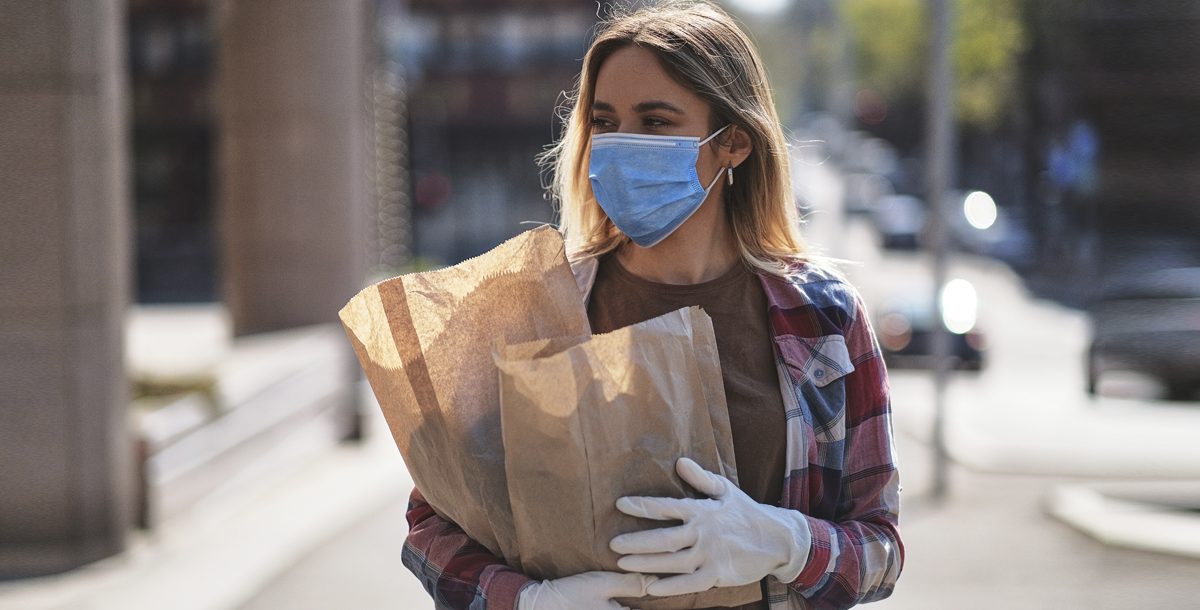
(724, 541)
(583, 591)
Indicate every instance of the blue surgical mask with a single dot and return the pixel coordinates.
(647, 184)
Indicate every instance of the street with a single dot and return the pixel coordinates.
(1017, 431)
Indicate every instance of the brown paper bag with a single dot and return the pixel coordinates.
(588, 421)
(424, 341)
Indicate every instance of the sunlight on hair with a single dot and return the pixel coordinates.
(810, 152)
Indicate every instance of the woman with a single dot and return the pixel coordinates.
(674, 190)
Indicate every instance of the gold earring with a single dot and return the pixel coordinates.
(729, 172)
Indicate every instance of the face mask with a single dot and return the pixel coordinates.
(647, 184)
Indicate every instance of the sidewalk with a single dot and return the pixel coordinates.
(328, 536)
(988, 546)
(221, 552)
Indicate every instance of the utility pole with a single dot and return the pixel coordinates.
(939, 165)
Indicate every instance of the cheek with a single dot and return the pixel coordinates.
(708, 164)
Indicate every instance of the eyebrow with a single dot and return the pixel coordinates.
(642, 107)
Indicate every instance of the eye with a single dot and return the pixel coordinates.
(601, 123)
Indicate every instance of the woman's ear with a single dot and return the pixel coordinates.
(736, 146)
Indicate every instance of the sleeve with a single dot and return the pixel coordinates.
(458, 572)
(857, 557)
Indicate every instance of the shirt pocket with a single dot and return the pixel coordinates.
(818, 360)
(817, 367)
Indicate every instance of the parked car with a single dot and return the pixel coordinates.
(863, 191)
(899, 221)
(1149, 323)
(905, 325)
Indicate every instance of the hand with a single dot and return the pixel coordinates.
(583, 591)
(724, 541)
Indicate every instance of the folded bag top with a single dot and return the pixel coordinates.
(424, 341)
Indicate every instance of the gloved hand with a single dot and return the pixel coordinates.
(724, 541)
(583, 591)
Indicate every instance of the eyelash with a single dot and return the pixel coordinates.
(649, 122)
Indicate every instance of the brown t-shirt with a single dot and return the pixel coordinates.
(737, 306)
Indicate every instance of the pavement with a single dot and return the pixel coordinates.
(1054, 501)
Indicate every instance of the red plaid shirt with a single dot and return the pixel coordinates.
(841, 462)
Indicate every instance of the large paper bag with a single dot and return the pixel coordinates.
(588, 420)
(424, 341)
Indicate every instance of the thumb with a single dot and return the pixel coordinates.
(703, 480)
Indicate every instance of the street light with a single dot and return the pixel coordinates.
(959, 305)
(980, 210)
(940, 167)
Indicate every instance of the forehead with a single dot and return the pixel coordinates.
(632, 75)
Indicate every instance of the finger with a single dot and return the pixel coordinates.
(654, 508)
(701, 580)
(629, 585)
(662, 540)
(679, 562)
(703, 480)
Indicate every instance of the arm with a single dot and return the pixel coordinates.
(458, 572)
(858, 556)
(729, 539)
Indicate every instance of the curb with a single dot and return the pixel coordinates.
(1141, 524)
(240, 540)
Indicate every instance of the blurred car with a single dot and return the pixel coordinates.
(899, 221)
(1149, 323)
(905, 325)
(978, 226)
(863, 191)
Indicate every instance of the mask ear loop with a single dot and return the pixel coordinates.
(720, 171)
(717, 178)
(714, 134)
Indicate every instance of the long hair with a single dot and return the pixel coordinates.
(702, 48)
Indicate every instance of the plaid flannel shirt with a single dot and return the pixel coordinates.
(841, 462)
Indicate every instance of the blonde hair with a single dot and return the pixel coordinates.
(703, 49)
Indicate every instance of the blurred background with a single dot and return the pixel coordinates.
(190, 190)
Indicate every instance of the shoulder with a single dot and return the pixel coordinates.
(814, 301)
(815, 284)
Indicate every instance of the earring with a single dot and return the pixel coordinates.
(729, 173)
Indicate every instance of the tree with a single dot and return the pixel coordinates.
(890, 43)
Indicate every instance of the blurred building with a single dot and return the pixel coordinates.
(174, 134)
(173, 143)
(258, 158)
(66, 478)
(484, 78)
(1113, 136)
(178, 151)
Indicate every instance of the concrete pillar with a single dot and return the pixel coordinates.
(293, 144)
(65, 465)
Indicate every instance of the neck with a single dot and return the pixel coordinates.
(701, 249)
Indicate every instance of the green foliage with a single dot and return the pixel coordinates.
(891, 39)
(989, 37)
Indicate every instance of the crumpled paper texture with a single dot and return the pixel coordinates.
(425, 342)
(588, 420)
